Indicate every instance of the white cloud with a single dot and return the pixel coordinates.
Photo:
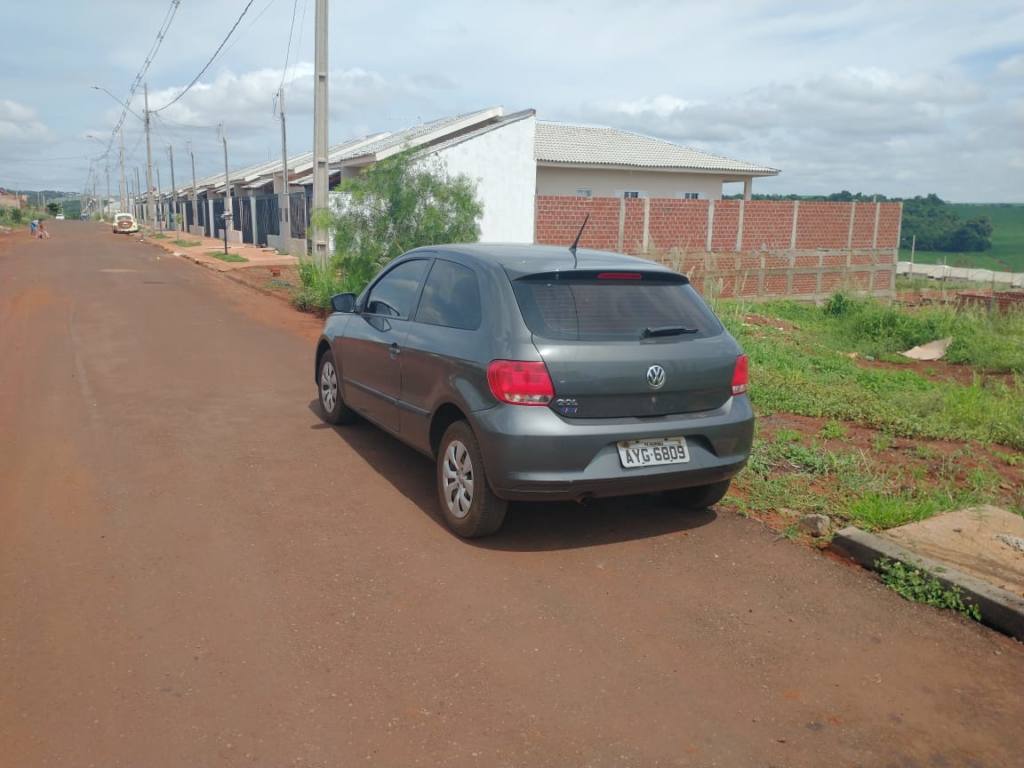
(869, 129)
(245, 100)
(1012, 66)
(21, 124)
(663, 105)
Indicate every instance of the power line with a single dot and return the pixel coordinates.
(288, 50)
(208, 63)
(252, 24)
(153, 50)
(302, 28)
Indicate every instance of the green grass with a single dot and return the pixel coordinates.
(232, 257)
(1007, 252)
(808, 370)
(158, 236)
(187, 243)
(319, 283)
(920, 586)
(855, 486)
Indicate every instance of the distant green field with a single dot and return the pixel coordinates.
(1007, 252)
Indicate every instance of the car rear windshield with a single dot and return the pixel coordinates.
(596, 306)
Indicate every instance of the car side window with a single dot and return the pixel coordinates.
(451, 297)
(394, 295)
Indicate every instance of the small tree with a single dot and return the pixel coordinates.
(53, 208)
(401, 202)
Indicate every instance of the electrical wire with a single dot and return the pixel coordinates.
(172, 10)
(288, 50)
(208, 63)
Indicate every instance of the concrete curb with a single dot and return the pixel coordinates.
(1000, 609)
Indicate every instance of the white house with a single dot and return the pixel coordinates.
(595, 161)
(512, 158)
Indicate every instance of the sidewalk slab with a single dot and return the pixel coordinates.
(254, 255)
(981, 578)
(979, 541)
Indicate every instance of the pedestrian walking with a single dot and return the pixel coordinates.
(33, 226)
(43, 234)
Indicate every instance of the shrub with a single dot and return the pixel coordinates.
(397, 204)
(319, 283)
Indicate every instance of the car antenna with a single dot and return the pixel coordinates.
(576, 242)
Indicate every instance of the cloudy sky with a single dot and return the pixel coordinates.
(897, 97)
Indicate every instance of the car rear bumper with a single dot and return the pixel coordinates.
(533, 453)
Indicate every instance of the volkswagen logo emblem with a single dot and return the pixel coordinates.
(655, 377)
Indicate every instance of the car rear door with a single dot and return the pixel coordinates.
(627, 343)
(372, 346)
(440, 349)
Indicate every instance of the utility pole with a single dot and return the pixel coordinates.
(174, 191)
(159, 198)
(195, 195)
(284, 204)
(150, 213)
(124, 187)
(227, 189)
(320, 171)
(138, 187)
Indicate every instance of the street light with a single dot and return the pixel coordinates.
(104, 90)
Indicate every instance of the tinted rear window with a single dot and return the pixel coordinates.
(589, 309)
(451, 297)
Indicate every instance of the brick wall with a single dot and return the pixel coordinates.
(754, 248)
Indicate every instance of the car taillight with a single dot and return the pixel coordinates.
(741, 375)
(520, 383)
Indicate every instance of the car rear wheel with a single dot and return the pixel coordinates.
(328, 382)
(468, 504)
(699, 496)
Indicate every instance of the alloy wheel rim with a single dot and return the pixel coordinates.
(328, 386)
(457, 479)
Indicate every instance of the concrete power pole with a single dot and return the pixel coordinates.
(106, 168)
(138, 187)
(320, 171)
(195, 194)
(124, 187)
(227, 191)
(159, 197)
(150, 213)
(174, 190)
(284, 205)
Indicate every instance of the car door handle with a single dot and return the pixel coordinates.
(394, 350)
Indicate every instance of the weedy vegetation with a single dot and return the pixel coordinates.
(818, 368)
(919, 586)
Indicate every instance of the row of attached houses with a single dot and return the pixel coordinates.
(513, 158)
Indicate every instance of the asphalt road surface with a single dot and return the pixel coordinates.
(195, 571)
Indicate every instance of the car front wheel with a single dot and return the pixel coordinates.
(468, 504)
(328, 387)
(700, 496)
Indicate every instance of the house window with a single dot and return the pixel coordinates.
(688, 195)
(631, 193)
(584, 192)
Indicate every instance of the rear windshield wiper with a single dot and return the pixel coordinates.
(666, 330)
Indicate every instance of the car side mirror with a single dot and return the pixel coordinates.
(343, 302)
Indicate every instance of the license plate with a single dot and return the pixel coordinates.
(653, 451)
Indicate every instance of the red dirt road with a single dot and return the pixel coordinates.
(195, 571)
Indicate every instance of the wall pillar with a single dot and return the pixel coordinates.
(748, 184)
(255, 221)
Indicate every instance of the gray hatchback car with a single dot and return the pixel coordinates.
(530, 373)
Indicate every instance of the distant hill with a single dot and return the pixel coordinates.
(1007, 253)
